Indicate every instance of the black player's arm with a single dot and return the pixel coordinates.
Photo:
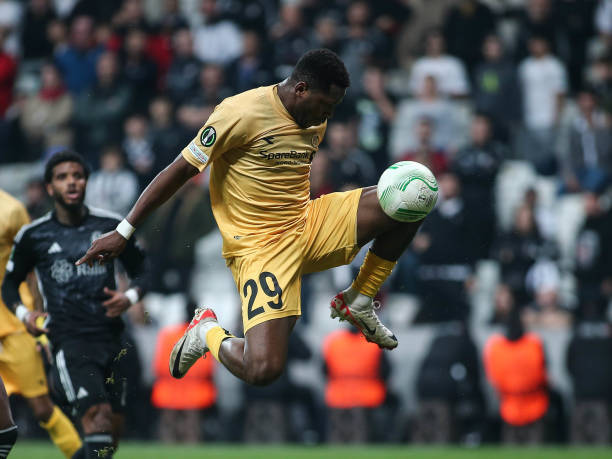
(19, 265)
(137, 266)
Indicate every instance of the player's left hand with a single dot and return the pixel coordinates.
(116, 304)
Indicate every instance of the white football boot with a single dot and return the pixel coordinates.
(364, 318)
(190, 348)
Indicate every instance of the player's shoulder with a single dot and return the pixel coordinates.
(103, 214)
(245, 100)
(34, 226)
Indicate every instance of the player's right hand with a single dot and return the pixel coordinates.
(31, 323)
(104, 249)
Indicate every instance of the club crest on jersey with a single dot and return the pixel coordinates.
(208, 136)
(61, 271)
(315, 141)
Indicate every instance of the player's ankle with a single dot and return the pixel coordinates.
(357, 299)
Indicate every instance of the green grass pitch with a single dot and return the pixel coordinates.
(128, 450)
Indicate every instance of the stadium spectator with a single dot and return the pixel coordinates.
(251, 69)
(544, 84)
(446, 116)
(448, 71)
(465, 27)
(349, 167)
(113, 187)
(375, 108)
(138, 70)
(538, 18)
(326, 33)
(445, 258)
(78, 60)
(218, 40)
(37, 201)
(129, 16)
(515, 365)
(545, 311)
(212, 88)
(591, 380)
(180, 401)
(603, 22)
(587, 163)
(503, 303)
(138, 147)
(165, 134)
(8, 72)
(10, 16)
(593, 262)
(354, 386)
(362, 43)
(290, 38)
(184, 71)
(35, 41)
(451, 401)
(46, 116)
(477, 165)
(496, 89)
(518, 249)
(99, 113)
(425, 152)
(600, 76)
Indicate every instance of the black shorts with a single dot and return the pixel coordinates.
(87, 373)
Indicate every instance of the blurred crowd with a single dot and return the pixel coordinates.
(509, 102)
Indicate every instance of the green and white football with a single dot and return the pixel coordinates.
(407, 191)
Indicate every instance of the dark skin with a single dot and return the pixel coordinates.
(67, 188)
(259, 357)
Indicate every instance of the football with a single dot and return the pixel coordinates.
(407, 191)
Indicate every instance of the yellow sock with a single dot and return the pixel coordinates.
(214, 338)
(62, 433)
(373, 272)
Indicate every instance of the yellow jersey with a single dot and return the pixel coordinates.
(14, 216)
(260, 168)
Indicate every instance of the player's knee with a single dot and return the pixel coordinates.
(97, 418)
(262, 372)
(42, 408)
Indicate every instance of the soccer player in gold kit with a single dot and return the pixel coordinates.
(21, 365)
(259, 145)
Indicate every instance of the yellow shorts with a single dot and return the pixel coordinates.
(269, 280)
(21, 366)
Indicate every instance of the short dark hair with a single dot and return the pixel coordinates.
(321, 68)
(64, 156)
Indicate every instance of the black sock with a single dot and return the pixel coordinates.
(80, 454)
(8, 437)
(98, 445)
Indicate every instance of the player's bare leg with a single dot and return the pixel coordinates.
(258, 358)
(97, 431)
(391, 238)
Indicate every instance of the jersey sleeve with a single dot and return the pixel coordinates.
(20, 263)
(223, 131)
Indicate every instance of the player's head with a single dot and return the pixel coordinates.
(319, 81)
(66, 174)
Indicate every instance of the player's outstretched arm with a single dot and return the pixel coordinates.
(161, 188)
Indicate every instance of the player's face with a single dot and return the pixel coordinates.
(68, 184)
(314, 107)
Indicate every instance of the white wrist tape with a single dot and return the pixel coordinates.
(125, 229)
(22, 312)
(131, 295)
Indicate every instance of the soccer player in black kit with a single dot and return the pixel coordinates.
(82, 304)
